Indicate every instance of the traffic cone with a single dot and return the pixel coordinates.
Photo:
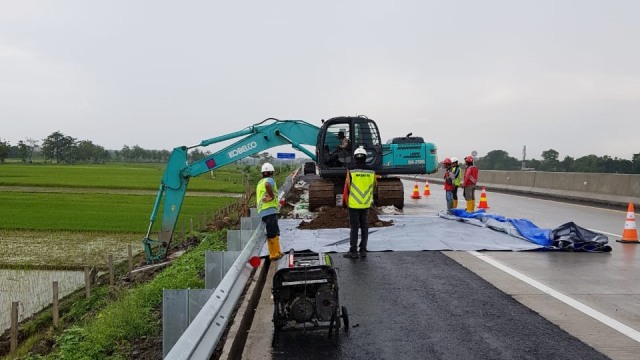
(416, 191)
(426, 192)
(483, 200)
(630, 232)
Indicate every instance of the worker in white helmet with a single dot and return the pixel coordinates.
(268, 208)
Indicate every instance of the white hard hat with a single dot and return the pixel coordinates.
(454, 159)
(360, 151)
(266, 167)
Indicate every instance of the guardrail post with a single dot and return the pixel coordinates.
(130, 256)
(54, 305)
(111, 272)
(13, 347)
(87, 282)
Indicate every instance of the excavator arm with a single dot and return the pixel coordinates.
(264, 135)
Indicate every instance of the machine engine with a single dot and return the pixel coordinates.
(305, 294)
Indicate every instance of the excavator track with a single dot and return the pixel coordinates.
(321, 193)
(390, 191)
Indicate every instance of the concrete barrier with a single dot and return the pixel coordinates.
(609, 189)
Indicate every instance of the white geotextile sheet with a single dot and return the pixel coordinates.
(407, 234)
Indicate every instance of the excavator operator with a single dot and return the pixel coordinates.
(343, 150)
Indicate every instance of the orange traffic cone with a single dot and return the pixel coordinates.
(426, 192)
(416, 192)
(630, 232)
(483, 200)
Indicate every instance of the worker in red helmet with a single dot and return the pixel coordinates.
(469, 183)
(449, 179)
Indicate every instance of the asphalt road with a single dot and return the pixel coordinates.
(481, 305)
(424, 305)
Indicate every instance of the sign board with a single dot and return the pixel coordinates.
(286, 155)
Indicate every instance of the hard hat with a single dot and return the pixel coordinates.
(469, 159)
(360, 153)
(266, 167)
(446, 161)
(454, 159)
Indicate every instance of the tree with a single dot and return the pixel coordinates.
(567, 164)
(58, 146)
(197, 154)
(635, 160)
(32, 145)
(266, 157)
(550, 160)
(23, 151)
(498, 160)
(4, 150)
(138, 153)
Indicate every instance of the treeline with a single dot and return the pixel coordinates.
(64, 149)
(500, 160)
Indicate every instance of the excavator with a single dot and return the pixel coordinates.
(331, 159)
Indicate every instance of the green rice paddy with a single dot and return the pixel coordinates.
(59, 217)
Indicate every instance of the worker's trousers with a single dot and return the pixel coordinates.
(358, 220)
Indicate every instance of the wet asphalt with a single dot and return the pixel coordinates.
(424, 305)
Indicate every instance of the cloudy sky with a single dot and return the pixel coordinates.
(466, 75)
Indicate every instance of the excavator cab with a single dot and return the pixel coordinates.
(338, 138)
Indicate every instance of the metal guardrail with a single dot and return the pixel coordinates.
(200, 339)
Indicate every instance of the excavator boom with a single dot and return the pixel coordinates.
(259, 137)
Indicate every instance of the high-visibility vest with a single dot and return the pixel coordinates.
(361, 188)
(261, 190)
(457, 174)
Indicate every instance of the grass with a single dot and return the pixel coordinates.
(113, 176)
(91, 211)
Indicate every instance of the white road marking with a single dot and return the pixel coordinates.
(614, 324)
(571, 204)
(604, 232)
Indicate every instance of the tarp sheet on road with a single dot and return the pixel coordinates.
(407, 234)
(568, 237)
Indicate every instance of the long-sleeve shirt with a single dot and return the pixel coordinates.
(470, 176)
(449, 178)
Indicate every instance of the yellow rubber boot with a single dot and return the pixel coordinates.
(277, 246)
(273, 244)
(455, 204)
(470, 205)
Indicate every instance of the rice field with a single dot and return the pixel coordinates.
(58, 218)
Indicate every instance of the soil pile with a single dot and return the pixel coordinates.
(338, 217)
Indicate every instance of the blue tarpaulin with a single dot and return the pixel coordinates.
(569, 236)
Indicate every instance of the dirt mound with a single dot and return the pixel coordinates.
(338, 217)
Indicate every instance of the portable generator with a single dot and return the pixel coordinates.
(305, 294)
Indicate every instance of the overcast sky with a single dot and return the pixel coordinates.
(465, 75)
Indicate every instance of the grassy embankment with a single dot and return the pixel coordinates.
(50, 227)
